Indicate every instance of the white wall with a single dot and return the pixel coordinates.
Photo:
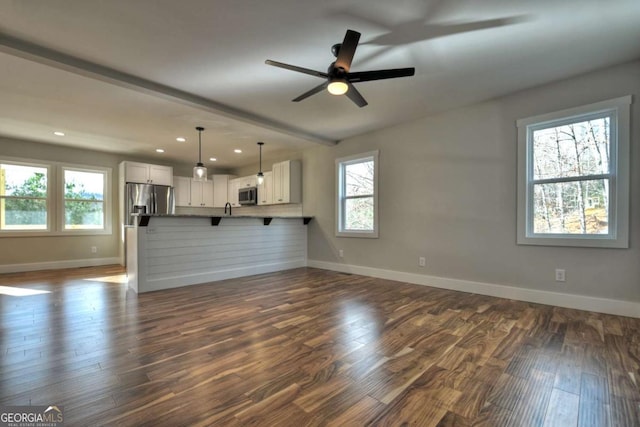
(448, 192)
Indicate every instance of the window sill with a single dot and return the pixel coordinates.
(576, 242)
(55, 233)
(363, 234)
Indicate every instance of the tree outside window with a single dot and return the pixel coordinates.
(573, 176)
(53, 199)
(23, 197)
(83, 200)
(357, 194)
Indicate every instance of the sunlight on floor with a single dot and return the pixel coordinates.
(118, 278)
(20, 292)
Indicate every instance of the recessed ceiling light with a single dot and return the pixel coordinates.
(181, 139)
(237, 150)
(159, 150)
(213, 159)
(58, 133)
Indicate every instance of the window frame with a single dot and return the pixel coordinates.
(341, 198)
(56, 198)
(106, 202)
(49, 198)
(618, 110)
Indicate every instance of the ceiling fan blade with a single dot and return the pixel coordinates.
(355, 96)
(347, 49)
(313, 91)
(366, 76)
(298, 69)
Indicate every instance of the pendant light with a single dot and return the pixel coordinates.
(260, 174)
(199, 171)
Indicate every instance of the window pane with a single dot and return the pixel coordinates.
(359, 214)
(25, 181)
(359, 178)
(23, 214)
(579, 207)
(83, 185)
(571, 150)
(83, 215)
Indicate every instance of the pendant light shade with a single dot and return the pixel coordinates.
(260, 174)
(199, 171)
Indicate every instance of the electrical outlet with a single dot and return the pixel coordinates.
(94, 249)
(341, 253)
(560, 275)
(422, 261)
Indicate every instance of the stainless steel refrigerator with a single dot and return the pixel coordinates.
(147, 198)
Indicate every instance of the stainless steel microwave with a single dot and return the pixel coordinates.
(248, 196)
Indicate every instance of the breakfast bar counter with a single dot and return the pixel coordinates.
(169, 251)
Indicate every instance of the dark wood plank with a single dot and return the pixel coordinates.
(309, 347)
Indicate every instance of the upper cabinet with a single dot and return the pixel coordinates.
(222, 190)
(247, 181)
(148, 174)
(182, 190)
(192, 193)
(234, 185)
(287, 182)
(265, 190)
(202, 193)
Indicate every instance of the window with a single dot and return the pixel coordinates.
(573, 176)
(24, 202)
(53, 199)
(84, 199)
(357, 206)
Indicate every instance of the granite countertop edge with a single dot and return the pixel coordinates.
(220, 216)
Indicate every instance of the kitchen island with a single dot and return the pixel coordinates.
(169, 251)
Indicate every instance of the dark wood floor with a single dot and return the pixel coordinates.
(309, 347)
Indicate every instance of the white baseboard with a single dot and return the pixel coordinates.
(580, 302)
(56, 265)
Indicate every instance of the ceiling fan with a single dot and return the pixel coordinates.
(339, 80)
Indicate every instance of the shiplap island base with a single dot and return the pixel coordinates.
(169, 251)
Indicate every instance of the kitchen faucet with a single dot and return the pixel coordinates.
(225, 208)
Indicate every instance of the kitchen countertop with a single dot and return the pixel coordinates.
(215, 219)
(218, 216)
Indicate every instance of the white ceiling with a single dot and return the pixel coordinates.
(130, 76)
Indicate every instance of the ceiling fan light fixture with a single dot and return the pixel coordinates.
(338, 87)
(199, 171)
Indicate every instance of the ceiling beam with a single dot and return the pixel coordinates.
(43, 55)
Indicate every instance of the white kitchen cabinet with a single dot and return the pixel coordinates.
(287, 182)
(145, 173)
(202, 194)
(192, 193)
(265, 190)
(248, 181)
(234, 185)
(182, 190)
(221, 190)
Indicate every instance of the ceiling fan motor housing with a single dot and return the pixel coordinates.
(336, 72)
